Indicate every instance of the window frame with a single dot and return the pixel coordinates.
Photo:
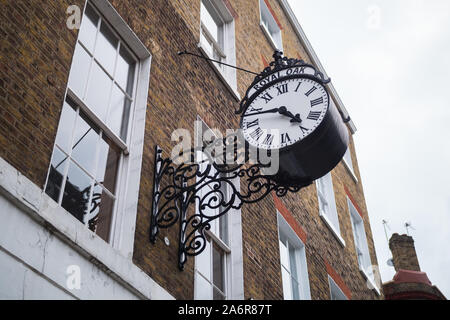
(335, 290)
(331, 201)
(226, 74)
(302, 277)
(359, 233)
(128, 172)
(348, 163)
(264, 11)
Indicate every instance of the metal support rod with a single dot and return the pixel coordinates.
(216, 61)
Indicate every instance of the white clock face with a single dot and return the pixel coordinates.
(285, 113)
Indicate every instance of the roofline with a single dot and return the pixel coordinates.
(315, 60)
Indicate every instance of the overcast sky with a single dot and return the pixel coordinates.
(390, 63)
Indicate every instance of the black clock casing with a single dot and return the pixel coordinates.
(322, 149)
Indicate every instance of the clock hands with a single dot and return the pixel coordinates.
(274, 110)
(281, 110)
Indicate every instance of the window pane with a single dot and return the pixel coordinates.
(108, 164)
(125, 71)
(106, 48)
(85, 144)
(76, 192)
(203, 262)
(65, 127)
(119, 113)
(79, 71)
(218, 268)
(293, 262)
(56, 175)
(287, 290)
(284, 256)
(295, 289)
(223, 228)
(100, 213)
(203, 289)
(207, 44)
(209, 22)
(348, 158)
(218, 295)
(98, 92)
(88, 29)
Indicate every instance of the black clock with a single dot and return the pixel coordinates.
(288, 108)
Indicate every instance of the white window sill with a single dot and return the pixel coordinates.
(269, 37)
(33, 201)
(333, 230)
(370, 280)
(226, 81)
(350, 171)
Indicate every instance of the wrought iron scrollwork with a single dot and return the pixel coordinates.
(281, 63)
(213, 188)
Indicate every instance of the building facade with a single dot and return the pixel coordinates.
(88, 89)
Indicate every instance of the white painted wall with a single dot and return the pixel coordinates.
(39, 241)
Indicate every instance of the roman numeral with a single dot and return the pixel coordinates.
(282, 89)
(304, 130)
(310, 91)
(316, 102)
(285, 138)
(256, 134)
(267, 97)
(268, 139)
(314, 115)
(296, 89)
(253, 123)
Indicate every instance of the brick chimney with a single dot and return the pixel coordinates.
(403, 252)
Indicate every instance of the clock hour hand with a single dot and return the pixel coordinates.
(283, 110)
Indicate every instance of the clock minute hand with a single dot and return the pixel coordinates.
(274, 110)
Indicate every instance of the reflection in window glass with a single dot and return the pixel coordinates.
(98, 92)
(76, 192)
(118, 109)
(56, 174)
(65, 127)
(108, 164)
(78, 79)
(95, 162)
(88, 29)
(85, 144)
(125, 71)
(218, 264)
(106, 48)
(86, 154)
(100, 212)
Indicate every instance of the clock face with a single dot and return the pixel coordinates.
(284, 113)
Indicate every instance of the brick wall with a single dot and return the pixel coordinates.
(403, 252)
(35, 55)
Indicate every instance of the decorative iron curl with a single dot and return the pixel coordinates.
(210, 187)
(278, 64)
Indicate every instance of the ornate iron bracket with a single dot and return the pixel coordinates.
(204, 184)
